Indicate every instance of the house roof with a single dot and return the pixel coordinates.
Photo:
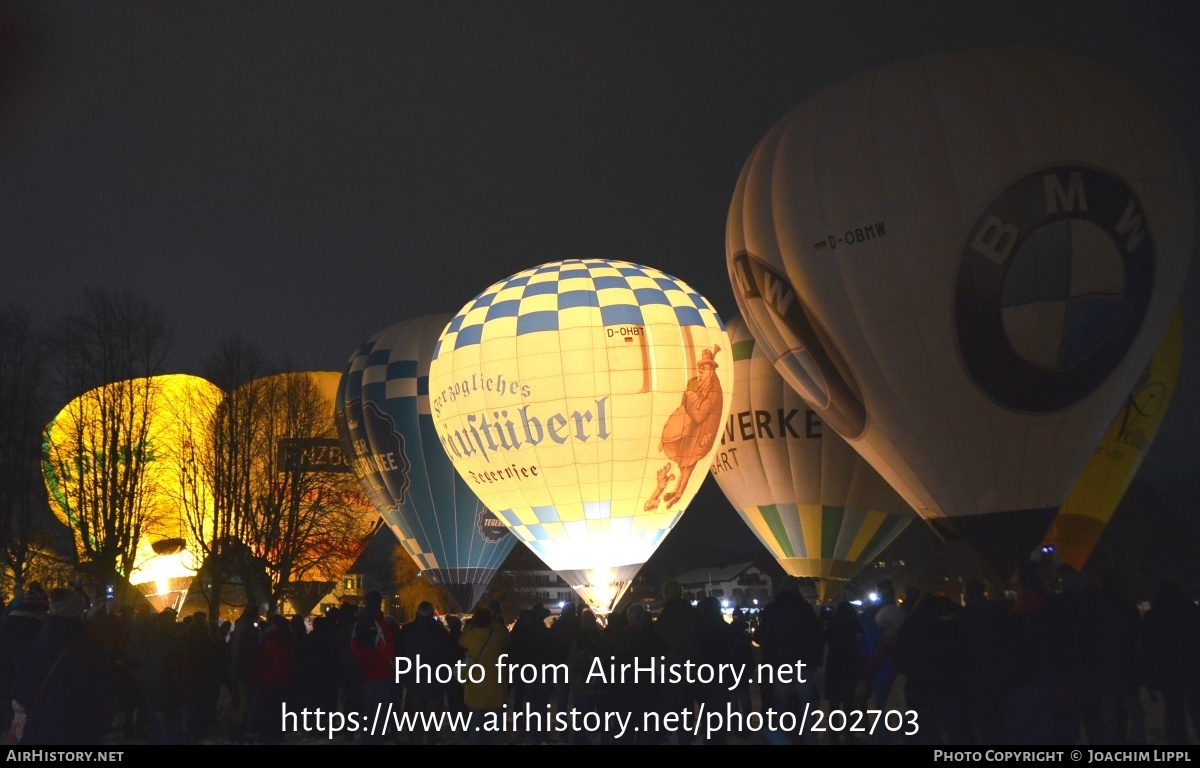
(714, 574)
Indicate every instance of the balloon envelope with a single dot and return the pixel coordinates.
(352, 430)
(331, 459)
(385, 422)
(306, 446)
(581, 400)
(820, 509)
(174, 433)
(1115, 462)
(963, 263)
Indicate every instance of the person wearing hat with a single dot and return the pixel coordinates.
(691, 430)
(68, 603)
(63, 686)
(20, 625)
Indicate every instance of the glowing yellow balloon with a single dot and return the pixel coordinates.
(175, 406)
(328, 480)
(346, 485)
(581, 400)
(1094, 499)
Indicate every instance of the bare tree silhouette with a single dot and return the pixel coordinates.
(103, 360)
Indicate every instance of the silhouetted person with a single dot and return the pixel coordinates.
(1123, 717)
(271, 679)
(20, 626)
(484, 639)
(201, 678)
(454, 691)
(160, 658)
(345, 617)
(497, 612)
(1097, 658)
(982, 624)
(928, 653)
(531, 644)
(676, 625)
(790, 633)
(843, 661)
(63, 687)
(563, 632)
(1036, 704)
(716, 642)
(425, 639)
(373, 647)
(636, 642)
(243, 650)
(881, 622)
(587, 694)
(319, 658)
(1171, 644)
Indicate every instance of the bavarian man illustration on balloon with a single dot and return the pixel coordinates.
(691, 430)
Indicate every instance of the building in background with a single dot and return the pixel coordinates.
(741, 585)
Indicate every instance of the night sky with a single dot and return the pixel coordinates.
(307, 173)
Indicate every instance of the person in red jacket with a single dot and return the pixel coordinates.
(271, 679)
(373, 646)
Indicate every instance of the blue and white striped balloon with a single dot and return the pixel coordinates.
(384, 420)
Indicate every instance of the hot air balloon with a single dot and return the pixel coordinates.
(312, 520)
(582, 401)
(352, 431)
(817, 506)
(385, 423)
(1090, 506)
(963, 262)
(330, 458)
(162, 415)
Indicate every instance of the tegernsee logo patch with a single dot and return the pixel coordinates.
(1054, 283)
(490, 527)
(386, 455)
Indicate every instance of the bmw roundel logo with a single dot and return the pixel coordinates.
(1054, 283)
